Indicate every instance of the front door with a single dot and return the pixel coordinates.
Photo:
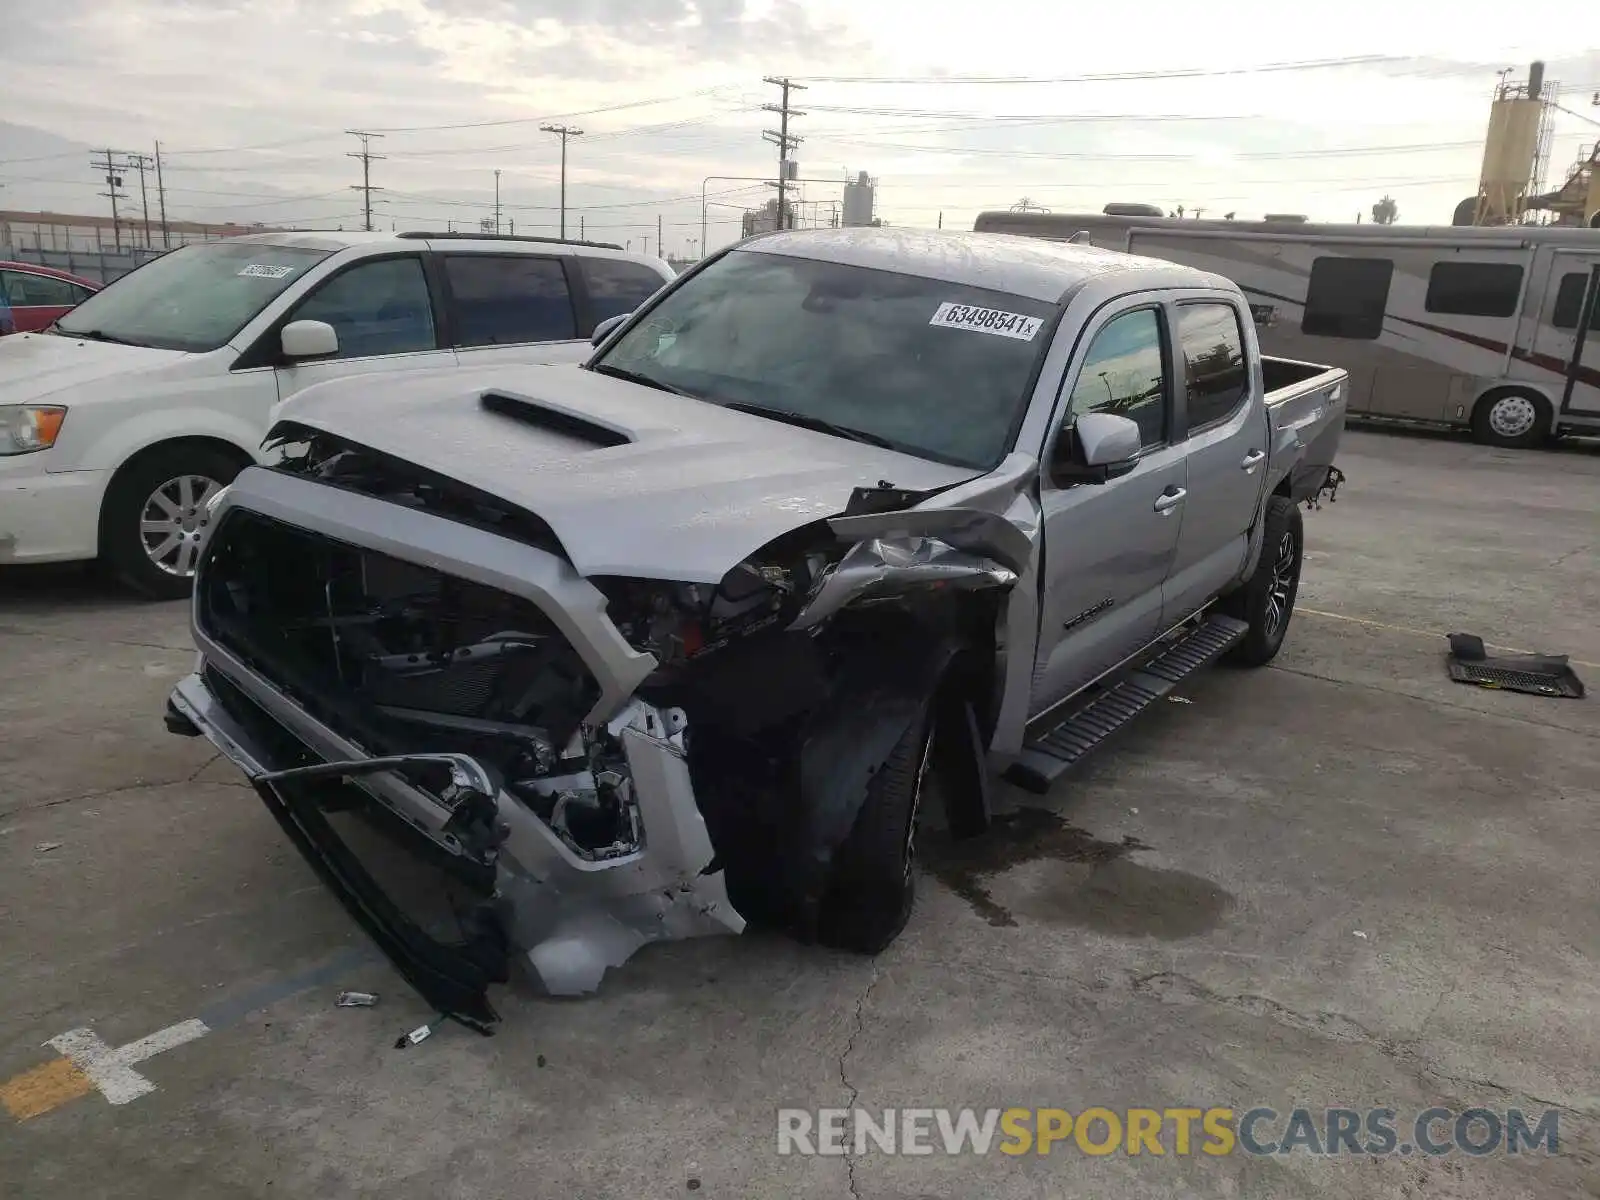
(1226, 430)
(383, 312)
(1567, 297)
(1108, 546)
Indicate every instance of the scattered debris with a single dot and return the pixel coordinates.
(694, 1183)
(1134, 811)
(46, 847)
(1179, 700)
(420, 1034)
(541, 1060)
(1359, 934)
(356, 1000)
(1535, 674)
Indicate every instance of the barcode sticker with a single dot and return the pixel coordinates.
(266, 271)
(986, 320)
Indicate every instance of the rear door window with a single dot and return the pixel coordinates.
(1216, 379)
(1346, 297)
(378, 307)
(617, 286)
(501, 300)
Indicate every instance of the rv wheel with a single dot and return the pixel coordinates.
(1515, 420)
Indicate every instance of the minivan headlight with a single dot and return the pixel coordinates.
(25, 428)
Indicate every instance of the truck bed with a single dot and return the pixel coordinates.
(1306, 411)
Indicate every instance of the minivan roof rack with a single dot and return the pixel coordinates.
(420, 234)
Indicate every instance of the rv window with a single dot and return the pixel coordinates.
(1474, 289)
(1569, 302)
(1215, 377)
(1346, 297)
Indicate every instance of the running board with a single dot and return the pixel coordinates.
(1049, 755)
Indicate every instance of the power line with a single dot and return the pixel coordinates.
(587, 112)
(1317, 64)
(783, 139)
(366, 156)
(563, 132)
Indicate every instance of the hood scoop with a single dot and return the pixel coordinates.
(541, 414)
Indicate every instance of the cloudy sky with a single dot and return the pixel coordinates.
(953, 106)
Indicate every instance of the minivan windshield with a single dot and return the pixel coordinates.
(935, 369)
(193, 298)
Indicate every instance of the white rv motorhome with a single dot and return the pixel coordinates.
(1497, 329)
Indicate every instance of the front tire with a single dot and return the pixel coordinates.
(1512, 420)
(874, 878)
(153, 519)
(1266, 600)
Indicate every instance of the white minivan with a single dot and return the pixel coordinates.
(121, 420)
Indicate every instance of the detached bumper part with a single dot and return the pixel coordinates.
(573, 917)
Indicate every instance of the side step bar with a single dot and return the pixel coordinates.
(1049, 755)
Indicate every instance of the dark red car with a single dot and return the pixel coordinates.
(37, 296)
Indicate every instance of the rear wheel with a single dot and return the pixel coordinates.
(1515, 420)
(154, 517)
(1266, 600)
(874, 877)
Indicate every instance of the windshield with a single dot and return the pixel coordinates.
(935, 369)
(195, 298)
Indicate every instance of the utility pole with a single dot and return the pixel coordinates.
(513, 227)
(141, 163)
(582, 236)
(563, 132)
(161, 193)
(660, 245)
(783, 139)
(113, 182)
(497, 202)
(365, 187)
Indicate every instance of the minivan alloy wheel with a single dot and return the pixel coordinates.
(172, 521)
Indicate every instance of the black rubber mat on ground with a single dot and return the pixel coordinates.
(1536, 674)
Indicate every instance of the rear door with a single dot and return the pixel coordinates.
(386, 317)
(1108, 546)
(1573, 277)
(1223, 424)
(511, 308)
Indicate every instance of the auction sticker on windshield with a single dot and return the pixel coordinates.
(267, 271)
(986, 320)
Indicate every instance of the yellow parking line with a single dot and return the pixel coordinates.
(44, 1088)
(1427, 633)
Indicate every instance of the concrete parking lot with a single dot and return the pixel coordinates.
(1352, 883)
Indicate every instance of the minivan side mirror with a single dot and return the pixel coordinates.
(308, 339)
(1094, 448)
(603, 330)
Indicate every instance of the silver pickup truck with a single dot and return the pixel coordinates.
(546, 663)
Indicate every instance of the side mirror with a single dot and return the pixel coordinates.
(603, 330)
(1094, 448)
(308, 339)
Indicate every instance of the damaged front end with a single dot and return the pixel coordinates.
(489, 757)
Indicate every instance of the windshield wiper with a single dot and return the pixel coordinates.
(95, 335)
(645, 380)
(807, 421)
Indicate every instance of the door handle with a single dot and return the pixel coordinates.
(1253, 460)
(1170, 500)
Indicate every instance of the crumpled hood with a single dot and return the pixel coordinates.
(35, 366)
(694, 490)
